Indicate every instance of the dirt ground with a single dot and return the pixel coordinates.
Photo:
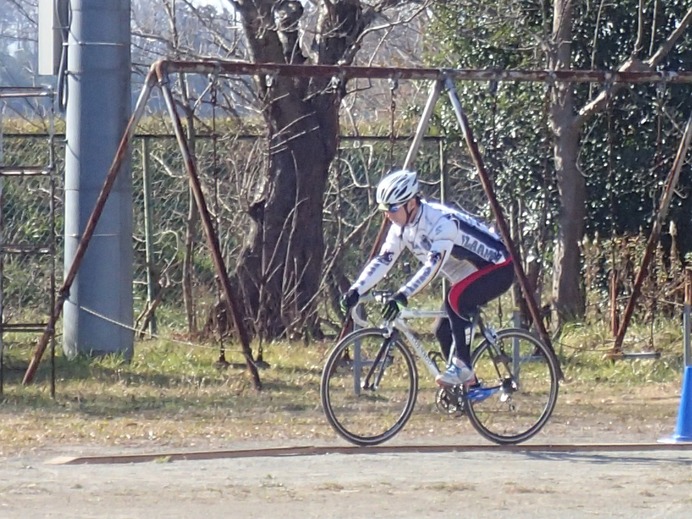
(638, 483)
(636, 477)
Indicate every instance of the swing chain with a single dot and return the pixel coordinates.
(213, 95)
(492, 89)
(393, 86)
(221, 362)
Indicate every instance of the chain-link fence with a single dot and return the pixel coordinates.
(175, 282)
(31, 224)
(230, 169)
(30, 218)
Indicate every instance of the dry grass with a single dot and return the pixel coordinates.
(172, 395)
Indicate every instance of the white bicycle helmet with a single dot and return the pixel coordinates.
(396, 188)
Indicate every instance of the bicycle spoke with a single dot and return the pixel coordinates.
(523, 383)
(367, 410)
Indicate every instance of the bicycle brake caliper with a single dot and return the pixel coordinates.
(490, 334)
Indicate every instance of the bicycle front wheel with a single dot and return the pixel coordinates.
(369, 386)
(519, 387)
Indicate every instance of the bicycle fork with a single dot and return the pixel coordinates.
(505, 369)
(382, 360)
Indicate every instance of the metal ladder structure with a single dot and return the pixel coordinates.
(23, 246)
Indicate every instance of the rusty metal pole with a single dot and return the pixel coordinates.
(421, 129)
(403, 73)
(499, 215)
(90, 227)
(614, 311)
(210, 233)
(435, 91)
(666, 197)
(424, 123)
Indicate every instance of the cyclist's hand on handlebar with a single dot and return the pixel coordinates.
(349, 300)
(394, 305)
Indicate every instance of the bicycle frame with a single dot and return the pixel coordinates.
(400, 324)
(358, 364)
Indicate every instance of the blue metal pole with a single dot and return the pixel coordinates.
(98, 313)
(686, 331)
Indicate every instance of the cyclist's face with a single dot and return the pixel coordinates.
(401, 215)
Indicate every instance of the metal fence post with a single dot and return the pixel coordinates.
(148, 232)
(516, 354)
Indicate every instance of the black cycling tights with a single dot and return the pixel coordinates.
(464, 298)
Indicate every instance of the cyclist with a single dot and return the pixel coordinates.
(445, 240)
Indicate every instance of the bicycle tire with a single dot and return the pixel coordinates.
(368, 415)
(505, 413)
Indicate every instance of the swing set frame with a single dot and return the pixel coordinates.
(441, 79)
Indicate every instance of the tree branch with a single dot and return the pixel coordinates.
(634, 65)
(668, 45)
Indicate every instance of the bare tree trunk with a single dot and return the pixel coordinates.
(567, 290)
(567, 293)
(566, 126)
(280, 269)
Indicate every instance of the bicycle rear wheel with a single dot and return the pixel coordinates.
(369, 386)
(519, 387)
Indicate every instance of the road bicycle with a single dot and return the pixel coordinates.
(369, 382)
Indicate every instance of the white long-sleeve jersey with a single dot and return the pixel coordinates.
(444, 240)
